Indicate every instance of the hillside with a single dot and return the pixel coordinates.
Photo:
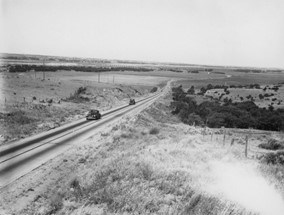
(152, 163)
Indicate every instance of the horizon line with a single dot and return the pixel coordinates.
(149, 62)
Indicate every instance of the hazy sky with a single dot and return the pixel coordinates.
(215, 32)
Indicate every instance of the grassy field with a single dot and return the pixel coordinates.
(274, 98)
(235, 78)
(153, 164)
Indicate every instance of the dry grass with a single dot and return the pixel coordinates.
(174, 172)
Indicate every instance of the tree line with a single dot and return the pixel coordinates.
(228, 114)
(49, 68)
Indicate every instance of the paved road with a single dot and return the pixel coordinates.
(19, 158)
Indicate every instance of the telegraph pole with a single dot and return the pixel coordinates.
(43, 74)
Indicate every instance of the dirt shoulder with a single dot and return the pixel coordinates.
(150, 163)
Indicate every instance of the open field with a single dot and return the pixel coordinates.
(235, 79)
(41, 101)
(153, 164)
(48, 95)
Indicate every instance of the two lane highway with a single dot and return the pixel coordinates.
(19, 158)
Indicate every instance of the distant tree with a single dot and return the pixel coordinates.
(261, 96)
(209, 87)
(275, 88)
(178, 93)
(191, 90)
(194, 119)
(203, 90)
(226, 100)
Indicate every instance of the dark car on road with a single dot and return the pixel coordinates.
(132, 102)
(93, 114)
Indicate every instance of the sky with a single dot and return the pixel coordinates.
(212, 32)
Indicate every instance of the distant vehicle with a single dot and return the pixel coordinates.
(132, 102)
(93, 114)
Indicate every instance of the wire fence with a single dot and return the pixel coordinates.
(249, 138)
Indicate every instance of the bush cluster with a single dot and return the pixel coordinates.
(154, 131)
(77, 96)
(232, 115)
(274, 158)
(203, 90)
(272, 145)
(154, 89)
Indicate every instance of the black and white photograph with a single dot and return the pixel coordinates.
(127, 107)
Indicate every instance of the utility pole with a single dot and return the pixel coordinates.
(43, 74)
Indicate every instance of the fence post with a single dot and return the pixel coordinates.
(224, 138)
(232, 141)
(246, 147)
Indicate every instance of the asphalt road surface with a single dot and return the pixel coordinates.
(21, 157)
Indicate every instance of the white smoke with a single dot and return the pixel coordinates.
(242, 184)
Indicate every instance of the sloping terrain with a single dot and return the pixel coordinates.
(150, 163)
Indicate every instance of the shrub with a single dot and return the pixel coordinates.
(77, 96)
(274, 158)
(80, 90)
(56, 203)
(154, 89)
(191, 90)
(154, 131)
(19, 117)
(194, 119)
(272, 145)
(126, 135)
(146, 171)
(74, 183)
(261, 96)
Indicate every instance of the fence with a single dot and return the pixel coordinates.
(230, 137)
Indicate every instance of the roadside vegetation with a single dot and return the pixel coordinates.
(272, 144)
(229, 114)
(24, 120)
